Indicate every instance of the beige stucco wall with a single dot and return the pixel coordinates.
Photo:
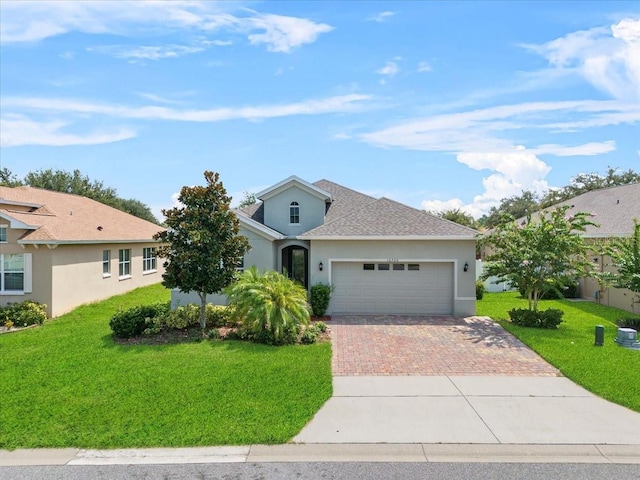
(77, 274)
(457, 252)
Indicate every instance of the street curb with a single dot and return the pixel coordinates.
(407, 452)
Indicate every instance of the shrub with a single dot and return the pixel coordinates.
(319, 298)
(310, 335)
(133, 322)
(23, 314)
(187, 316)
(479, 290)
(524, 317)
(321, 326)
(629, 322)
(270, 306)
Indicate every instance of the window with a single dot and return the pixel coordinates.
(106, 263)
(398, 266)
(12, 273)
(294, 212)
(413, 267)
(124, 262)
(383, 266)
(3, 234)
(368, 266)
(149, 259)
(240, 265)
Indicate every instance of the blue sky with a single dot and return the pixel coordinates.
(435, 104)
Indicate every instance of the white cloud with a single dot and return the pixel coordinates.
(33, 21)
(341, 103)
(486, 140)
(381, 17)
(424, 67)
(606, 57)
(390, 69)
(18, 131)
(282, 34)
(146, 52)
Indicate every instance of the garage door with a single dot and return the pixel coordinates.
(393, 288)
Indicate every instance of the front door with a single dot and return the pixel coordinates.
(294, 263)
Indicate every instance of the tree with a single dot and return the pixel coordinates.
(625, 258)
(8, 178)
(538, 253)
(249, 199)
(585, 182)
(78, 184)
(511, 208)
(270, 305)
(458, 216)
(202, 246)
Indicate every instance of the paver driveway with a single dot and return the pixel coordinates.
(437, 345)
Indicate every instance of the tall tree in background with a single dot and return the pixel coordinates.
(202, 244)
(585, 182)
(458, 216)
(249, 199)
(78, 184)
(511, 208)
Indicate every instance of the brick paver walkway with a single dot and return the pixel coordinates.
(442, 345)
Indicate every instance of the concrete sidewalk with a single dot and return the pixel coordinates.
(469, 410)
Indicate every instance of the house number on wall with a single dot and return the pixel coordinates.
(392, 260)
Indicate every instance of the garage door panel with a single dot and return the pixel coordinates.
(428, 290)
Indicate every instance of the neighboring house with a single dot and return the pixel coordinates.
(64, 250)
(382, 257)
(614, 209)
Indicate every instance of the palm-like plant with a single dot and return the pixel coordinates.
(268, 301)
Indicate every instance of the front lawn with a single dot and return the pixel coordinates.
(68, 384)
(610, 371)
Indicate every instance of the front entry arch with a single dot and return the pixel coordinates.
(295, 262)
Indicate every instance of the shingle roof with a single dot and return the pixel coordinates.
(614, 208)
(68, 218)
(388, 218)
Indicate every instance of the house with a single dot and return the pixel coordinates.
(381, 257)
(614, 209)
(64, 250)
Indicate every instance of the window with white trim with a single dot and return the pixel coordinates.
(12, 272)
(149, 259)
(240, 265)
(294, 213)
(124, 262)
(3, 234)
(106, 263)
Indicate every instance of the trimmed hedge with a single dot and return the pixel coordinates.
(524, 317)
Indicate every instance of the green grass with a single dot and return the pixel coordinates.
(610, 371)
(67, 384)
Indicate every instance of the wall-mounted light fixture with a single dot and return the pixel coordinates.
(466, 266)
(320, 266)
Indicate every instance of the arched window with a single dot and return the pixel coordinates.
(294, 212)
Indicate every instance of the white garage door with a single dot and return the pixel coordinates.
(393, 288)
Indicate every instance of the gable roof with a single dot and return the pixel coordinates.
(354, 215)
(614, 209)
(298, 182)
(55, 217)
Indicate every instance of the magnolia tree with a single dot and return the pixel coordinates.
(202, 246)
(625, 258)
(538, 253)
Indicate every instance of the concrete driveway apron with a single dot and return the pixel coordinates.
(410, 379)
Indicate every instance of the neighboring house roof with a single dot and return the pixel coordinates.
(354, 215)
(54, 217)
(614, 209)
